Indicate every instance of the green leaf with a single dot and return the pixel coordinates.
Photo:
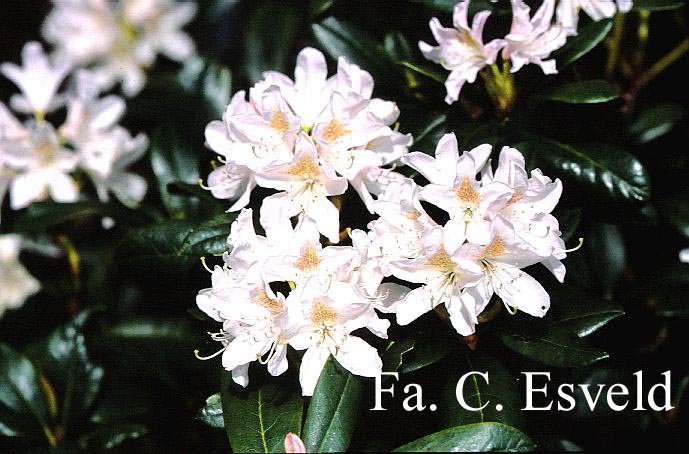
(415, 352)
(426, 127)
(257, 420)
(318, 7)
(559, 339)
(24, 406)
(656, 121)
(397, 46)
(208, 80)
(269, 38)
(569, 220)
(501, 389)
(339, 38)
(64, 360)
(333, 411)
(582, 92)
(424, 71)
(586, 39)
(675, 210)
(175, 160)
(482, 437)
(111, 435)
(41, 216)
(172, 247)
(599, 169)
(658, 5)
(211, 413)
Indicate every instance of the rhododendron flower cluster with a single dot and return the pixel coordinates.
(119, 39)
(531, 38)
(291, 288)
(39, 161)
(309, 138)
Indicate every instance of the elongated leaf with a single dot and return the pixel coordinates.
(482, 437)
(656, 121)
(500, 394)
(64, 360)
(111, 435)
(211, 413)
(318, 7)
(586, 39)
(208, 80)
(173, 160)
(675, 210)
(173, 246)
(340, 38)
(583, 92)
(270, 50)
(658, 5)
(42, 216)
(332, 414)
(599, 169)
(257, 420)
(569, 221)
(24, 406)
(559, 339)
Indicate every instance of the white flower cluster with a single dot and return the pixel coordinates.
(119, 39)
(531, 39)
(16, 283)
(326, 303)
(286, 288)
(38, 161)
(309, 138)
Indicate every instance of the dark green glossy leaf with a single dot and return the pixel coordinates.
(111, 435)
(42, 216)
(174, 160)
(559, 339)
(318, 7)
(268, 40)
(339, 38)
(64, 360)
(415, 352)
(424, 71)
(333, 411)
(586, 39)
(426, 127)
(209, 81)
(482, 437)
(397, 46)
(599, 169)
(583, 92)
(211, 413)
(174, 245)
(394, 354)
(257, 420)
(24, 406)
(658, 5)
(675, 210)
(656, 121)
(501, 389)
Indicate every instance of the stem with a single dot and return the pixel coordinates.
(662, 64)
(75, 268)
(614, 45)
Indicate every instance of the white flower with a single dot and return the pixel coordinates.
(130, 35)
(15, 281)
(444, 271)
(454, 188)
(106, 157)
(501, 261)
(351, 131)
(41, 167)
(461, 49)
(568, 11)
(38, 79)
(684, 255)
(326, 321)
(306, 185)
(531, 40)
(529, 208)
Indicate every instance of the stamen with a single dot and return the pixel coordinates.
(205, 265)
(200, 182)
(577, 247)
(221, 159)
(204, 358)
